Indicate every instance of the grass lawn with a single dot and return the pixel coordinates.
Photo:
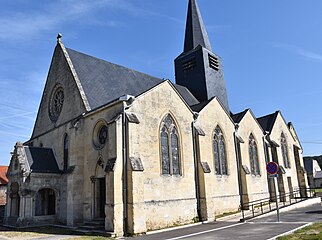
(312, 232)
(37, 232)
(88, 238)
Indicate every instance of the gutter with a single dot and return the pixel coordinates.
(237, 148)
(196, 163)
(127, 102)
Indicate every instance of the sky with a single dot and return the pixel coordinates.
(271, 52)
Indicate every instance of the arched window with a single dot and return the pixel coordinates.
(220, 152)
(66, 147)
(169, 140)
(285, 151)
(253, 156)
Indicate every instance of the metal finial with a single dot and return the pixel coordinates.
(59, 36)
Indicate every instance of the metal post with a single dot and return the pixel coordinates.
(277, 207)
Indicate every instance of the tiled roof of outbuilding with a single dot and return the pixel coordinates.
(3, 175)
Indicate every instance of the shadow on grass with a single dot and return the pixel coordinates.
(52, 230)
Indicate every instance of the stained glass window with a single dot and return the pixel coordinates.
(56, 103)
(102, 135)
(220, 152)
(165, 152)
(66, 146)
(170, 150)
(253, 156)
(285, 151)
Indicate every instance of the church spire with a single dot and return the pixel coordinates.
(196, 33)
(198, 68)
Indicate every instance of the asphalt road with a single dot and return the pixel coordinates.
(256, 229)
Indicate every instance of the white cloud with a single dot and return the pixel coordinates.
(22, 25)
(300, 51)
(29, 25)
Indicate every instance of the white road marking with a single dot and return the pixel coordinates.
(278, 222)
(203, 232)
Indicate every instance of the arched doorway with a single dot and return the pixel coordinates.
(15, 200)
(99, 193)
(45, 202)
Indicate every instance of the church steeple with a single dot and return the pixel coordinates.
(196, 33)
(198, 68)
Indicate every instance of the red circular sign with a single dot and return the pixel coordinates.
(272, 167)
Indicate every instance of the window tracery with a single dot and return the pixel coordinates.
(285, 151)
(56, 102)
(220, 155)
(253, 156)
(170, 148)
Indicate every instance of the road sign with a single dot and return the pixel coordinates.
(272, 168)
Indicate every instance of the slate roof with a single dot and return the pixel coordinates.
(237, 117)
(199, 106)
(267, 122)
(318, 174)
(104, 82)
(308, 165)
(186, 94)
(41, 160)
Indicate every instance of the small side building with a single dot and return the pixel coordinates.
(3, 189)
(311, 167)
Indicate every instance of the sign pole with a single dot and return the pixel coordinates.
(277, 207)
(272, 169)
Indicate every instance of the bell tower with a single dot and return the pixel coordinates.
(197, 67)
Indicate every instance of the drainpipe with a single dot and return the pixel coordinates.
(196, 163)
(267, 159)
(240, 183)
(127, 101)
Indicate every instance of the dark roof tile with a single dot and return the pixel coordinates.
(41, 160)
(267, 122)
(104, 82)
(237, 117)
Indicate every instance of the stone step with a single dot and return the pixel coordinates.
(95, 223)
(92, 227)
(98, 232)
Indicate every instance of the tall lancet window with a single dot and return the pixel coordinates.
(170, 147)
(220, 152)
(66, 150)
(253, 155)
(285, 151)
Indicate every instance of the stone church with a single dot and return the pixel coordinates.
(142, 153)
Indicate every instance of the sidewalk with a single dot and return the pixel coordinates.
(265, 210)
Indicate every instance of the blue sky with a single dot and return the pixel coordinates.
(271, 51)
